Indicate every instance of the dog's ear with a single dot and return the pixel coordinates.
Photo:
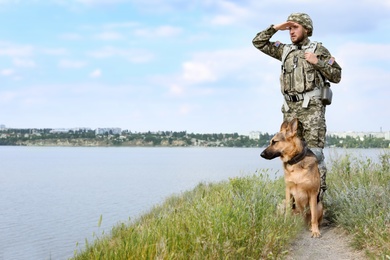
(284, 126)
(292, 128)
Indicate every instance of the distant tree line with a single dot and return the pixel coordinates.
(181, 138)
(169, 138)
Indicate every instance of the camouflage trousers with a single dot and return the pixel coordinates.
(312, 128)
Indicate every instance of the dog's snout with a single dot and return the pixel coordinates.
(265, 154)
(269, 154)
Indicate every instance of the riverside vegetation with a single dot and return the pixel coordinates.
(238, 218)
(50, 137)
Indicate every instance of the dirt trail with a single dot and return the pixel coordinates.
(332, 245)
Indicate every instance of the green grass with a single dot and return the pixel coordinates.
(238, 219)
(359, 201)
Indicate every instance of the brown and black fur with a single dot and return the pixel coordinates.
(301, 174)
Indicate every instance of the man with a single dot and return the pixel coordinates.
(306, 68)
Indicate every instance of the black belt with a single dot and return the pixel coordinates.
(293, 98)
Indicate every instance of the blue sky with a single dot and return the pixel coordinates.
(171, 65)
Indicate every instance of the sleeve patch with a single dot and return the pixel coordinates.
(331, 61)
(277, 44)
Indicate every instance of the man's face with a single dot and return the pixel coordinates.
(297, 33)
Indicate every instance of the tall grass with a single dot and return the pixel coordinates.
(238, 218)
(234, 219)
(359, 201)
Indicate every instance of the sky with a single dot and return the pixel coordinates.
(172, 65)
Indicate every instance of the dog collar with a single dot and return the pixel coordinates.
(299, 157)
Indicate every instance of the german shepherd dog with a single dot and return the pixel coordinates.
(301, 174)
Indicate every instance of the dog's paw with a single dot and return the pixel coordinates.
(315, 234)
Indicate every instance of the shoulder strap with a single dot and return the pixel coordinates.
(311, 47)
(290, 47)
(286, 50)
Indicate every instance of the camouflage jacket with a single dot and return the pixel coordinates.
(298, 75)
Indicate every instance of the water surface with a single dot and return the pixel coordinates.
(53, 197)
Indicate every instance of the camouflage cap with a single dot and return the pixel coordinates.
(304, 20)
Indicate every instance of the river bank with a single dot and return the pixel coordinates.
(238, 219)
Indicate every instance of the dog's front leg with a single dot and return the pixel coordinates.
(315, 231)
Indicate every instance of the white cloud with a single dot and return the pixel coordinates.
(357, 53)
(120, 25)
(99, 2)
(109, 36)
(160, 31)
(195, 72)
(71, 36)
(133, 55)
(55, 51)
(72, 64)
(230, 13)
(24, 63)
(222, 20)
(6, 2)
(184, 109)
(216, 72)
(15, 50)
(221, 64)
(96, 73)
(7, 96)
(176, 90)
(7, 72)
(371, 66)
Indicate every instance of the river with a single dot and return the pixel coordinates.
(52, 198)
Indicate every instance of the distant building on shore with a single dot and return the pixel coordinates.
(59, 131)
(113, 131)
(361, 135)
(255, 135)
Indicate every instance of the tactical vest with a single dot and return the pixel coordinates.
(298, 75)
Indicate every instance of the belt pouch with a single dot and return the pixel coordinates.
(326, 94)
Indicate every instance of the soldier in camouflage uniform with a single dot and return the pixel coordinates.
(306, 66)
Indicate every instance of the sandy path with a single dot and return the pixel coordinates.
(332, 245)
